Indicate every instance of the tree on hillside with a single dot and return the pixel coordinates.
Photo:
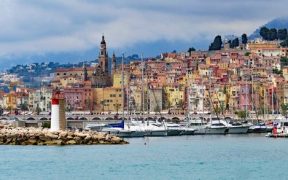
(190, 50)
(284, 43)
(264, 33)
(244, 38)
(273, 34)
(282, 34)
(234, 43)
(217, 43)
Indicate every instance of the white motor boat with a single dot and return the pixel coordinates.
(117, 131)
(174, 129)
(198, 125)
(125, 130)
(217, 127)
(155, 129)
(259, 127)
(187, 131)
(237, 128)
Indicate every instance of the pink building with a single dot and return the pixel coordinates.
(79, 99)
(245, 96)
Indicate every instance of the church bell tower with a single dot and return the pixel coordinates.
(103, 56)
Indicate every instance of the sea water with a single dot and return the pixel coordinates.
(183, 157)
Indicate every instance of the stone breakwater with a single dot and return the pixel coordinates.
(39, 136)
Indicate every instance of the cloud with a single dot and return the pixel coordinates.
(46, 26)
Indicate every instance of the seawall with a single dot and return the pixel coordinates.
(39, 136)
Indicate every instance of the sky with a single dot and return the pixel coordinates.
(71, 30)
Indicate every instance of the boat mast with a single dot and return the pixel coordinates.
(264, 112)
(148, 94)
(128, 98)
(189, 93)
(142, 85)
(272, 100)
(202, 94)
(210, 86)
(246, 100)
(122, 84)
(252, 92)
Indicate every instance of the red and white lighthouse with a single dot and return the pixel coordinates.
(58, 120)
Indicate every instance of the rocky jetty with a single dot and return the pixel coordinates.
(40, 136)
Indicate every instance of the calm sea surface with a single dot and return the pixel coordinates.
(185, 157)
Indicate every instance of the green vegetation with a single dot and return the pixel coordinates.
(190, 50)
(284, 43)
(234, 43)
(284, 109)
(38, 109)
(242, 114)
(247, 53)
(46, 125)
(277, 71)
(24, 107)
(282, 34)
(284, 61)
(244, 38)
(273, 34)
(217, 44)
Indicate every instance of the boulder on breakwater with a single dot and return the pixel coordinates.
(40, 136)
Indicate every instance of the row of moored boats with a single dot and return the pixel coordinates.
(196, 126)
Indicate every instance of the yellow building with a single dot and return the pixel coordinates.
(65, 81)
(108, 99)
(234, 97)
(10, 101)
(255, 46)
(174, 96)
(117, 79)
(219, 98)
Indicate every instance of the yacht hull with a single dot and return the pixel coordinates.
(174, 132)
(200, 131)
(188, 132)
(216, 130)
(238, 130)
(257, 129)
(156, 133)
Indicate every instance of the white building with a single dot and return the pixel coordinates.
(196, 98)
(40, 98)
